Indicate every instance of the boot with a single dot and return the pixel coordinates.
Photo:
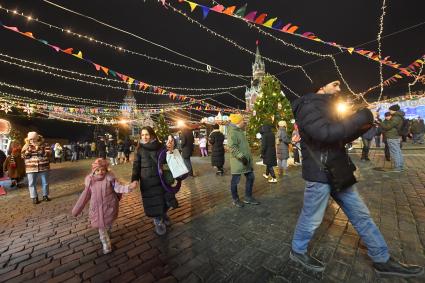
(35, 200)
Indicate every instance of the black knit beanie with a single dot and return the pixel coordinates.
(394, 107)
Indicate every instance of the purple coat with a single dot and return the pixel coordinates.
(104, 200)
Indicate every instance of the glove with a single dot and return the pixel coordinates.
(244, 161)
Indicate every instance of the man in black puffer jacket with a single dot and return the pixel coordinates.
(323, 139)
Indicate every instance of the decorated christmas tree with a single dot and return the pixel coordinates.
(161, 128)
(270, 107)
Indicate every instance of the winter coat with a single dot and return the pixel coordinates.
(421, 126)
(127, 145)
(203, 142)
(15, 166)
(323, 132)
(120, 147)
(93, 146)
(239, 147)
(58, 151)
(101, 148)
(417, 126)
(37, 157)
(145, 170)
(2, 159)
(104, 201)
(370, 134)
(268, 146)
(187, 144)
(390, 127)
(112, 150)
(282, 142)
(216, 139)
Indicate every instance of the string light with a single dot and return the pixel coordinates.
(381, 29)
(135, 36)
(115, 80)
(409, 85)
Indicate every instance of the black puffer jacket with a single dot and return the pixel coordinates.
(322, 131)
(145, 170)
(216, 139)
(187, 141)
(268, 146)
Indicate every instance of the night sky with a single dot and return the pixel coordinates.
(350, 23)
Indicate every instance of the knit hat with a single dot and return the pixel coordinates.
(235, 118)
(387, 114)
(99, 163)
(282, 124)
(32, 135)
(394, 107)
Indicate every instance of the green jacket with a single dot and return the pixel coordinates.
(239, 147)
(391, 127)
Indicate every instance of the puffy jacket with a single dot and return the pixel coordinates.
(268, 146)
(239, 148)
(390, 127)
(216, 139)
(323, 132)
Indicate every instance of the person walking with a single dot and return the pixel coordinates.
(37, 164)
(241, 161)
(378, 132)
(74, 152)
(112, 152)
(268, 152)
(101, 148)
(216, 139)
(203, 146)
(421, 130)
(58, 150)
(328, 171)
(155, 200)
(120, 149)
(387, 154)
(103, 191)
(187, 141)
(93, 149)
(296, 142)
(127, 149)
(282, 147)
(392, 129)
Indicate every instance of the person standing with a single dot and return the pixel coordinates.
(367, 140)
(74, 151)
(296, 141)
(216, 139)
(387, 116)
(101, 147)
(127, 149)
(120, 148)
(37, 164)
(378, 132)
(58, 150)
(14, 165)
(93, 149)
(421, 130)
(203, 146)
(112, 151)
(392, 128)
(323, 139)
(268, 152)
(145, 171)
(187, 141)
(2, 159)
(241, 161)
(282, 147)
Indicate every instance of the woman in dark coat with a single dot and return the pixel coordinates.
(156, 201)
(216, 139)
(282, 151)
(268, 152)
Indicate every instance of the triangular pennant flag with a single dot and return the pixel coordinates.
(104, 69)
(261, 18)
(230, 10)
(398, 76)
(292, 29)
(251, 16)
(218, 8)
(96, 66)
(55, 48)
(278, 25)
(285, 28)
(12, 28)
(241, 11)
(124, 77)
(130, 81)
(68, 50)
(29, 34)
(350, 50)
(192, 5)
(270, 22)
(44, 41)
(112, 73)
(205, 11)
(79, 55)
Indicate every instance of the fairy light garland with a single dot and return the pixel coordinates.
(381, 29)
(136, 36)
(409, 85)
(115, 80)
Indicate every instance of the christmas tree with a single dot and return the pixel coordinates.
(271, 106)
(161, 128)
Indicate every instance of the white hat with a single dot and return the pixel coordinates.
(32, 135)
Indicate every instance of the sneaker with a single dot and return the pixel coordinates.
(46, 198)
(396, 268)
(307, 261)
(273, 180)
(265, 176)
(238, 203)
(166, 220)
(160, 228)
(251, 200)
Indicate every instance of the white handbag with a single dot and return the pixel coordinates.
(176, 164)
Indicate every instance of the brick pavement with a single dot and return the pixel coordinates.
(209, 241)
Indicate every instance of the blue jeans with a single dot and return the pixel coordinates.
(250, 177)
(316, 198)
(395, 151)
(32, 182)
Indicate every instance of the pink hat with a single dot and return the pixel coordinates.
(32, 135)
(99, 163)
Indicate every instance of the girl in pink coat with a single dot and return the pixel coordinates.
(102, 189)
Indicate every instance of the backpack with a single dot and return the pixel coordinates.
(403, 130)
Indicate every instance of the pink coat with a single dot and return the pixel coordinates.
(104, 201)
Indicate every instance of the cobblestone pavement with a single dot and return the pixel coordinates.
(210, 240)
